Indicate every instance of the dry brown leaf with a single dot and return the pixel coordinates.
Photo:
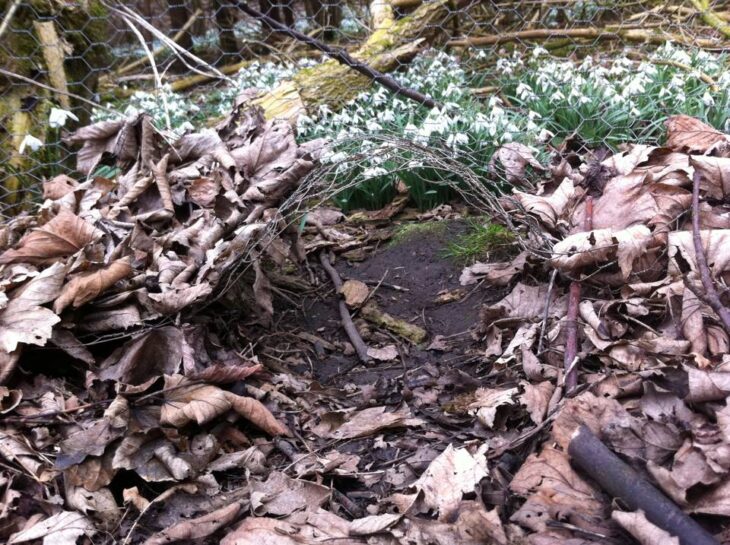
(24, 320)
(154, 458)
(88, 286)
(302, 528)
(536, 399)
(707, 385)
(386, 353)
(202, 403)
(281, 495)
(488, 400)
(682, 251)
(147, 357)
(450, 476)
(552, 208)
(63, 236)
(355, 292)
(554, 491)
(373, 524)
(644, 531)
(602, 246)
(685, 133)
(343, 425)
(196, 528)
(63, 528)
(515, 158)
(715, 173)
(58, 187)
(495, 274)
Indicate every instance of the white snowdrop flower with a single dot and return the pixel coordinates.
(635, 112)
(373, 126)
(493, 101)
(481, 54)
(584, 100)
(545, 135)
(557, 96)
(504, 66)
(457, 139)
(387, 116)
(58, 117)
(533, 115)
(707, 99)
(531, 126)
(337, 157)
(373, 172)
(186, 126)
(524, 91)
(539, 52)
(31, 142)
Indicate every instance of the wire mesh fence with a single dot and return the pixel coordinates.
(558, 72)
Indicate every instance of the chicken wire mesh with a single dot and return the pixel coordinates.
(590, 73)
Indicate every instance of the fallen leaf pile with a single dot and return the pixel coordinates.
(129, 418)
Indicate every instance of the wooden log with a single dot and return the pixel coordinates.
(622, 482)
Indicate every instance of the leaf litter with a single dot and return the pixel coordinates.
(173, 370)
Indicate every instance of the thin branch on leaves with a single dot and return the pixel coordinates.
(347, 323)
(571, 325)
(341, 56)
(711, 296)
(156, 53)
(622, 482)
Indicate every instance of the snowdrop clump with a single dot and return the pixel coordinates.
(616, 100)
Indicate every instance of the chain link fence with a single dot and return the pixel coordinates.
(557, 72)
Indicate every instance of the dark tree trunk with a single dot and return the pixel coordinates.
(225, 19)
(179, 15)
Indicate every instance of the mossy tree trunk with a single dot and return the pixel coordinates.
(61, 46)
(391, 44)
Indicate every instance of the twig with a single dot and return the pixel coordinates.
(360, 347)
(341, 56)
(711, 295)
(620, 481)
(545, 314)
(571, 326)
(158, 80)
(176, 38)
(181, 52)
(635, 35)
(8, 17)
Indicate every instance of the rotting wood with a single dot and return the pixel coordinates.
(711, 18)
(392, 44)
(53, 54)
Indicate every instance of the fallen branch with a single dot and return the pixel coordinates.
(156, 53)
(571, 325)
(341, 56)
(633, 35)
(622, 482)
(711, 18)
(710, 295)
(360, 347)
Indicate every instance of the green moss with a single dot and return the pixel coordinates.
(482, 241)
(408, 231)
